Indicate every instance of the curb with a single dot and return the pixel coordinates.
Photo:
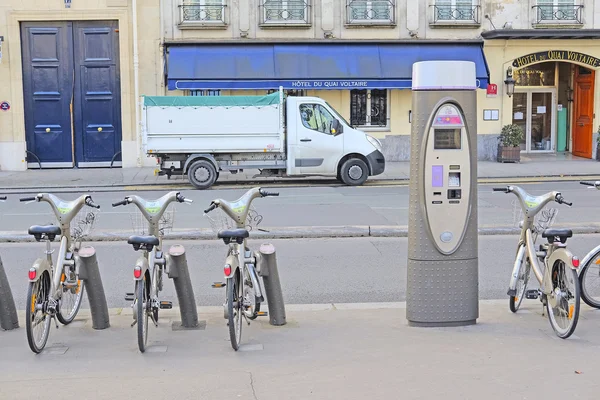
(355, 231)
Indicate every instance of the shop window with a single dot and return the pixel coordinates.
(202, 12)
(458, 11)
(205, 92)
(316, 117)
(285, 12)
(369, 108)
(552, 11)
(543, 74)
(373, 12)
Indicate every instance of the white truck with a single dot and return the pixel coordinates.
(278, 135)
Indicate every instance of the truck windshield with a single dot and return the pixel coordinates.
(334, 111)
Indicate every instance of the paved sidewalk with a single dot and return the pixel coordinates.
(530, 167)
(340, 351)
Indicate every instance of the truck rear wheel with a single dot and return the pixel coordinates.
(354, 172)
(202, 174)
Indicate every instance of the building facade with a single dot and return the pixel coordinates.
(76, 68)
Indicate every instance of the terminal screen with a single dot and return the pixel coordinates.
(447, 139)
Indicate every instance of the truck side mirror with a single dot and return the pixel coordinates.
(336, 128)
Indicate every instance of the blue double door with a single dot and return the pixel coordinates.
(71, 88)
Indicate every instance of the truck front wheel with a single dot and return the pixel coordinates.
(202, 174)
(354, 172)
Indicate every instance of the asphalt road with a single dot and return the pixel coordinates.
(350, 270)
(311, 206)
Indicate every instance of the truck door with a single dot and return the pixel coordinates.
(318, 146)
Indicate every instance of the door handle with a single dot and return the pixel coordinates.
(580, 124)
(306, 140)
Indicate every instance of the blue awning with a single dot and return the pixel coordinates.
(311, 66)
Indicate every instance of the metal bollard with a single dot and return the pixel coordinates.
(178, 271)
(267, 267)
(89, 273)
(8, 312)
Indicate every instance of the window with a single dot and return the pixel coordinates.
(316, 117)
(211, 11)
(543, 74)
(456, 10)
(205, 92)
(371, 12)
(368, 108)
(285, 12)
(557, 11)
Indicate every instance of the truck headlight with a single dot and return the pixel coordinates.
(376, 143)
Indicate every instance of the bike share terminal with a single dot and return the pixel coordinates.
(442, 281)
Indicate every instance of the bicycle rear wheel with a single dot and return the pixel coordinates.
(37, 322)
(564, 301)
(589, 279)
(235, 296)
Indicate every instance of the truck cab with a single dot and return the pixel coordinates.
(321, 142)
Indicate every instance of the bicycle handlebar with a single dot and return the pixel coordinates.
(264, 193)
(560, 200)
(182, 199)
(593, 184)
(209, 209)
(497, 189)
(90, 203)
(121, 203)
(2, 198)
(28, 199)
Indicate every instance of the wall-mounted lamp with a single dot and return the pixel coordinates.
(509, 82)
(67, 3)
(569, 94)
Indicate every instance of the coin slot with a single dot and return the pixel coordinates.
(437, 193)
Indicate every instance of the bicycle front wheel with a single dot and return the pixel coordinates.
(235, 296)
(70, 301)
(589, 280)
(37, 322)
(563, 303)
(523, 278)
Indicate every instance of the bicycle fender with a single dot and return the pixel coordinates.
(559, 254)
(589, 256)
(516, 268)
(40, 265)
(232, 261)
(141, 262)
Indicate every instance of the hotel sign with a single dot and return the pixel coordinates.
(556, 55)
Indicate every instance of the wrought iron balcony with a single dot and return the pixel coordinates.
(458, 14)
(285, 12)
(371, 12)
(202, 13)
(563, 13)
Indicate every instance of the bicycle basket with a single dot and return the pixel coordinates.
(139, 224)
(83, 224)
(542, 221)
(220, 221)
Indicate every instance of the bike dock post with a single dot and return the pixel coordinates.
(8, 312)
(267, 269)
(178, 271)
(87, 264)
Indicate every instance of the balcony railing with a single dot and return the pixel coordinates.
(285, 12)
(467, 14)
(375, 12)
(202, 13)
(563, 13)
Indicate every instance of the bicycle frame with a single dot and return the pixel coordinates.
(64, 211)
(526, 247)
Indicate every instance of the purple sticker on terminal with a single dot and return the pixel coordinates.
(437, 176)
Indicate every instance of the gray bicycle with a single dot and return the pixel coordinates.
(554, 266)
(55, 290)
(149, 267)
(244, 293)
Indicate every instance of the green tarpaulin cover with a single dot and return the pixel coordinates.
(211, 101)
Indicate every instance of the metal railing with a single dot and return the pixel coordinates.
(202, 13)
(457, 14)
(274, 12)
(558, 13)
(371, 12)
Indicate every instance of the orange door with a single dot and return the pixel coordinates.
(583, 117)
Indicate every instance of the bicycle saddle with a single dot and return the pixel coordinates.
(235, 234)
(145, 240)
(50, 231)
(562, 234)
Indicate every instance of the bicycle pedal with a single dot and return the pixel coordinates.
(262, 313)
(218, 285)
(166, 305)
(532, 294)
(129, 297)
